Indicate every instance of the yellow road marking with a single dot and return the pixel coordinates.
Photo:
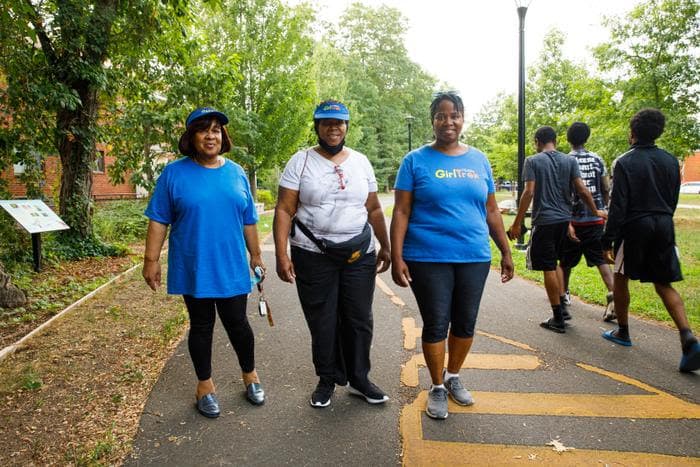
(390, 293)
(580, 405)
(481, 361)
(505, 340)
(418, 451)
(411, 333)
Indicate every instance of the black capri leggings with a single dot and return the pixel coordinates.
(232, 312)
(448, 297)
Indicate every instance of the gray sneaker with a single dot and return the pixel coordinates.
(458, 392)
(437, 403)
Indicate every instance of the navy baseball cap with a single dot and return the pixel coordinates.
(332, 109)
(205, 112)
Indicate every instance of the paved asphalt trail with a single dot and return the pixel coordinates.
(612, 404)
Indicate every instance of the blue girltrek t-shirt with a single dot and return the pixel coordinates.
(448, 216)
(206, 209)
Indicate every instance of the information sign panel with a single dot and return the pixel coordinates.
(34, 215)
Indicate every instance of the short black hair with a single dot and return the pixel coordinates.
(546, 134)
(647, 125)
(578, 133)
(186, 145)
(451, 96)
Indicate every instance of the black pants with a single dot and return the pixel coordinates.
(337, 303)
(232, 312)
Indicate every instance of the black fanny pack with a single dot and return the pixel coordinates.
(346, 252)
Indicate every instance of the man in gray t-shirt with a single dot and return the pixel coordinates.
(550, 177)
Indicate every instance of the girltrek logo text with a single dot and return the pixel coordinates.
(456, 173)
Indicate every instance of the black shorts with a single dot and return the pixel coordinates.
(546, 244)
(589, 246)
(647, 251)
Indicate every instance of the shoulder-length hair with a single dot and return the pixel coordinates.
(186, 145)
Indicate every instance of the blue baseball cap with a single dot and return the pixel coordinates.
(205, 112)
(332, 109)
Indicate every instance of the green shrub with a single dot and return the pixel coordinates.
(120, 221)
(266, 197)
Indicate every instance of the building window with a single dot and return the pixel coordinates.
(18, 169)
(99, 165)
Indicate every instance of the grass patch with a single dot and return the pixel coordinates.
(688, 198)
(31, 381)
(586, 283)
(265, 224)
(173, 326)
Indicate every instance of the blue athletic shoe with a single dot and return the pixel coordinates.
(691, 359)
(618, 340)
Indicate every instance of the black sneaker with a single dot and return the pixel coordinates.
(321, 397)
(554, 325)
(368, 390)
(565, 314)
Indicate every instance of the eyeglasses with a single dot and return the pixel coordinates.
(339, 173)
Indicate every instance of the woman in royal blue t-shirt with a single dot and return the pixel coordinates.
(206, 201)
(444, 211)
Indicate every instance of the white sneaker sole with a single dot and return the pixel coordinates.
(435, 417)
(369, 400)
(454, 399)
(319, 404)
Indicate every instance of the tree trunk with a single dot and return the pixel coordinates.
(10, 295)
(76, 143)
(253, 180)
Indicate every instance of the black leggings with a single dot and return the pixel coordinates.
(232, 312)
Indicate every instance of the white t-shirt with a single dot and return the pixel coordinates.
(331, 209)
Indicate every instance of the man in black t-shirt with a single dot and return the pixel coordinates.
(586, 228)
(646, 183)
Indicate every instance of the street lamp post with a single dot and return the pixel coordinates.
(522, 9)
(409, 121)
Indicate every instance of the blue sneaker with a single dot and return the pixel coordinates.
(691, 359)
(208, 406)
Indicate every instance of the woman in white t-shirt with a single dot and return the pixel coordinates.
(330, 191)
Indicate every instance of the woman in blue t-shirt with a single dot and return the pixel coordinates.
(206, 201)
(444, 211)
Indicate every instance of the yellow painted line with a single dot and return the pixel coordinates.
(390, 293)
(480, 361)
(411, 333)
(581, 405)
(505, 340)
(418, 451)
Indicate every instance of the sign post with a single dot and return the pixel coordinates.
(35, 217)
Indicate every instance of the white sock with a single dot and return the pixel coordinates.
(437, 386)
(449, 375)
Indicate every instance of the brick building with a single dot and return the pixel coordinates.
(691, 168)
(102, 188)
